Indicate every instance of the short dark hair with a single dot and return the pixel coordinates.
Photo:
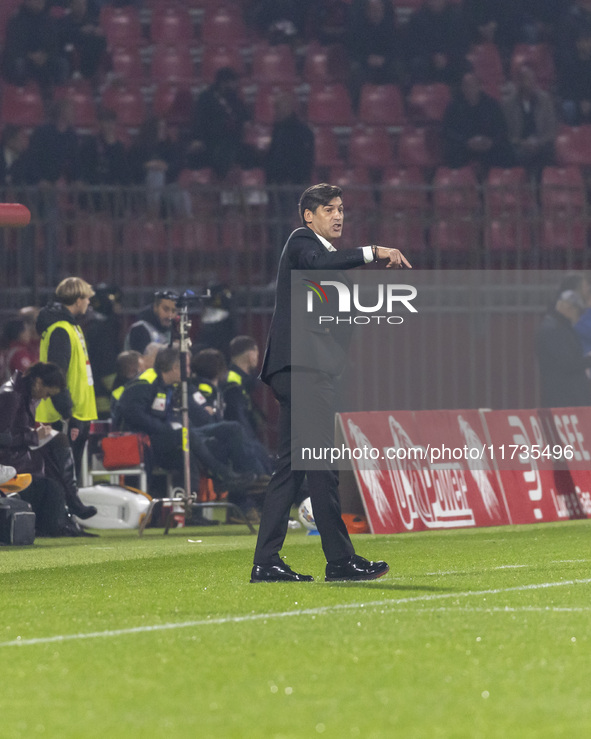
(49, 373)
(318, 195)
(166, 359)
(241, 344)
(161, 295)
(208, 363)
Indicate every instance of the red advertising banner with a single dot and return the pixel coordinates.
(448, 469)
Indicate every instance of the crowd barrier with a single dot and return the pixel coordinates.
(466, 468)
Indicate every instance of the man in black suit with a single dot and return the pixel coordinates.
(310, 248)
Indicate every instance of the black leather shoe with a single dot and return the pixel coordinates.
(355, 568)
(279, 572)
(77, 507)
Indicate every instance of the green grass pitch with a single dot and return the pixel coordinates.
(473, 633)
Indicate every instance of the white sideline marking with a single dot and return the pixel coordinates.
(506, 567)
(286, 614)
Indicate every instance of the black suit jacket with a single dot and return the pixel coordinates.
(305, 251)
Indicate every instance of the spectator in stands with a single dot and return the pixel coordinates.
(63, 343)
(156, 160)
(154, 323)
(531, 122)
(241, 382)
(474, 129)
(13, 157)
(31, 51)
(574, 80)
(217, 128)
(281, 21)
(289, 161)
(372, 44)
(81, 37)
(103, 157)
(105, 342)
(53, 159)
(562, 366)
(436, 43)
(575, 19)
(146, 406)
(494, 21)
(40, 451)
(18, 350)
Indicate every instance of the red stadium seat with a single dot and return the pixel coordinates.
(325, 63)
(537, 56)
(217, 57)
(171, 23)
(488, 67)
(173, 101)
(264, 103)
(455, 189)
(403, 210)
(274, 64)
(419, 147)
(427, 103)
(456, 203)
(172, 63)
(509, 203)
(564, 205)
(127, 102)
(370, 147)
(127, 63)
(223, 25)
(404, 190)
(122, 26)
(573, 145)
(80, 94)
(326, 148)
(382, 105)
(330, 105)
(22, 106)
(454, 234)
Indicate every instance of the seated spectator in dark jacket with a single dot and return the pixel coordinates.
(289, 161)
(280, 20)
(562, 366)
(493, 21)
(531, 122)
(103, 157)
(574, 20)
(574, 81)
(31, 52)
(40, 451)
(129, 365)
(156, 159)
(436, 43)
(373, 43)
(217, 128)
(154, 323)
(82, 38)
(474, 129)
(13, 155)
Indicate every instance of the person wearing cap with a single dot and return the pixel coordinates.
(154, 323)
(564, 382)
(63, 343)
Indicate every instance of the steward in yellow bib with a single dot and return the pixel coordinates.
(63, 343)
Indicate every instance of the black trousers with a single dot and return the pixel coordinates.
(323, 484)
